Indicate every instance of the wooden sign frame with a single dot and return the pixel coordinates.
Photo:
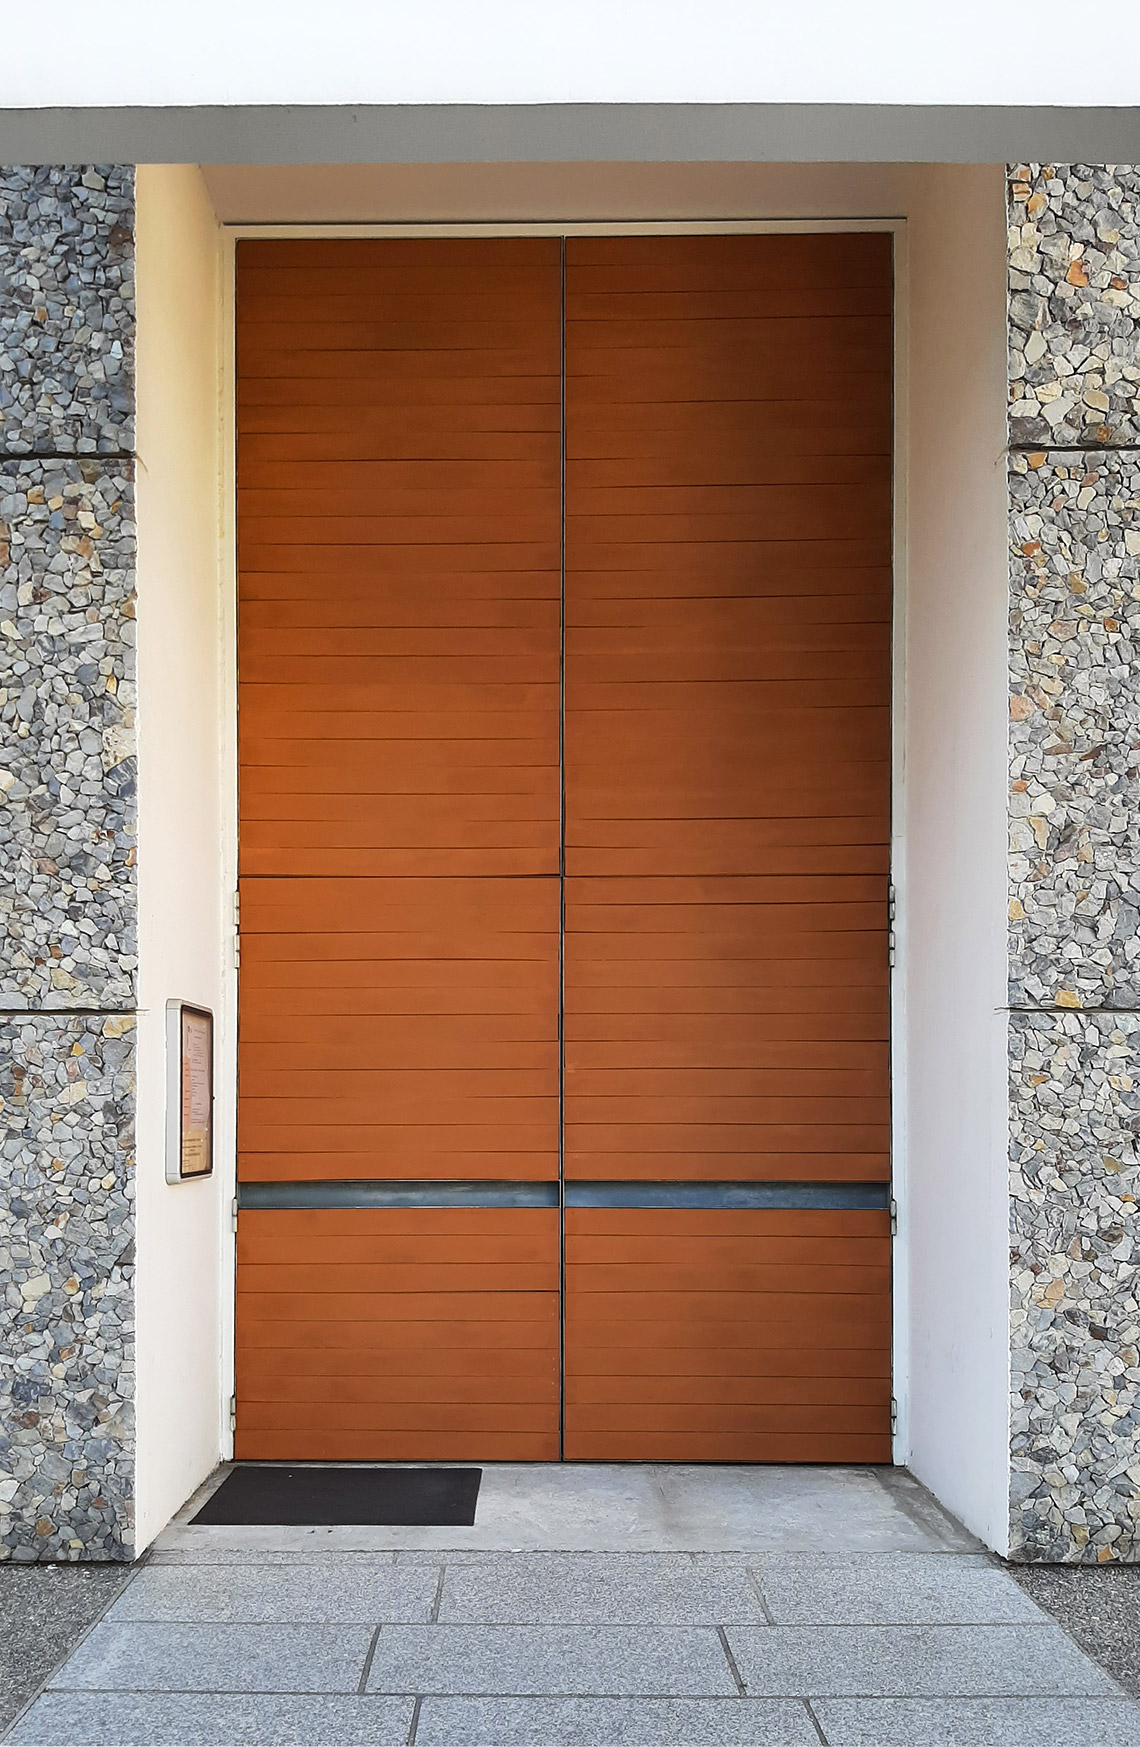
(189, 1092)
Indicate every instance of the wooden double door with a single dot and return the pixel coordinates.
(565, 572)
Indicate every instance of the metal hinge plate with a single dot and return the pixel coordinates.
(237, 928)
(894, 1211)
(894, 1415)
(233, 1214)
(233, 1413)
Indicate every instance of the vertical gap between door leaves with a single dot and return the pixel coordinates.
(562, 863)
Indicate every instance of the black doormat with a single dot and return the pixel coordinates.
(324, 1497)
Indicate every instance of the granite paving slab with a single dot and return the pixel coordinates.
(915, 1661)
(1098, 1605)
(237, 1558)
(148, 1656)
(979, 1722)
(324, 1593)
(615, 1722)
(584, 1589)
(944, 1589)
(596, 1661)
(133, 1719)
(44, 1610)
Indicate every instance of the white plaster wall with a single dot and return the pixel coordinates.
(182, 1303)
(566, 51)
(955, 1240)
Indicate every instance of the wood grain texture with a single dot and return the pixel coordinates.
(398, 1028)
(728, 654)
(726, 661)
(398, 602)
(404, 1335)
(745, 1336)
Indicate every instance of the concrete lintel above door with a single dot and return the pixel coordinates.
(443, 133)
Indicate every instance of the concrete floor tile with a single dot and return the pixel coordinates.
(538, 1660)
(83, 1719)
(308, 1593)
(633, 1507)
(981, 1722)
(599, 1588)
(615, 1722)
(144, 1656)
(948, 1589)
(914, 1661)
(798, 1509)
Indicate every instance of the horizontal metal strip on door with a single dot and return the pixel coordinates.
(860, 1196)
(864, 1197)
(395, 1193)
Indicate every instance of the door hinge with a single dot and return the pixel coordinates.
(893, 1204)
(234, 1213)
(237, 928)
(891, 910)
(233, 1413)
(894, 1416)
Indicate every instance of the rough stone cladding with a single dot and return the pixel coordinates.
(68, 831)
(67, 1259)
(1074, 360)
(1075, 729)
(67, 767)
(1074, 931)
(67, 326)
(1075, 1245)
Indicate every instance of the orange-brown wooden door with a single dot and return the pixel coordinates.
(728, 552)
(399, 517)
(724, 674)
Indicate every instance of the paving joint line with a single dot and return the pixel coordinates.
(414, 1725)
(362, 1683)
(731, 1660)
(437, 1602)
(816, 1724)
(764, 1608)
(1035, 1697)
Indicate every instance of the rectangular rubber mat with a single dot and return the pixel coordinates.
(326, 1496)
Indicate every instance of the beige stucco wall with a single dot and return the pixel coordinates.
(184, 1281)
(951, 1096)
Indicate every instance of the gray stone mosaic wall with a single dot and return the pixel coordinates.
(66, 1256)
(67, 862)
(67, 326)
(1074, 941)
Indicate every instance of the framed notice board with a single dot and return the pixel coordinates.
(189, 1092)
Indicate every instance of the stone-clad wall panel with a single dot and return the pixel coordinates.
(1074, 277)
(67, 704)
(1074, 940)
(1074, 729)
(67, 1262)
(67, 326)
(1075, 1251)
(68, 831)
